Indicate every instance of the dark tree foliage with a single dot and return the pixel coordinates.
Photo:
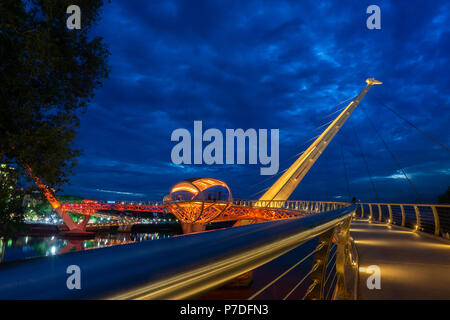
(10, 201)
(445, 197)
(48, 74)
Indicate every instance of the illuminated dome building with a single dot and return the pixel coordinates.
(198, 201)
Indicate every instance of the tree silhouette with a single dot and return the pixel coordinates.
(48, 74)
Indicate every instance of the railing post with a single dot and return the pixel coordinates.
(390, 213)
(316, 289)
(437, 226)
(379, 213)
(416, 209)
(370, 212)
(403, 215)
(362, 210)
(341, 256)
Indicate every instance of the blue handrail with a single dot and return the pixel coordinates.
(134, 270)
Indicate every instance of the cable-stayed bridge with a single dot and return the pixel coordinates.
(337, 249)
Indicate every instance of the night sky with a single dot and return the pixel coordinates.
(270, 64)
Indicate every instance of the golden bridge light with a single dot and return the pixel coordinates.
(198, 201)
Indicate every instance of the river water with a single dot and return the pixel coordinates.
(24, 247)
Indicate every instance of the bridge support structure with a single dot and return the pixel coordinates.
(286, 184)
(192, 227)
(74, 228)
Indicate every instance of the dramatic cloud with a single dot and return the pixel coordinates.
(280, 64)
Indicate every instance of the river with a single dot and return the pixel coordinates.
(24, 247)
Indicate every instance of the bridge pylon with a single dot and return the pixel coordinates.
(286, 184)
(74, 228)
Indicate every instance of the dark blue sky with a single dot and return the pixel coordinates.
(269, 64)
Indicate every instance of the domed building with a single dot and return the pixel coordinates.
(198, 201)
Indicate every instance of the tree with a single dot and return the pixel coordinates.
(445, 197)
(10, 201)
(48, 74)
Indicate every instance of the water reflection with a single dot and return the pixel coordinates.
(28, 246)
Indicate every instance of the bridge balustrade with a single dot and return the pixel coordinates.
(428, 218)
(298, 205)
(322, 264)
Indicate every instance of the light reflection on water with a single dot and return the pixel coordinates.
(28, 246)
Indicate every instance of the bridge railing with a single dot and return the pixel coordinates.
(118, 206)
(317, 247)
(429, 218)
(298, 205)
(111, 203)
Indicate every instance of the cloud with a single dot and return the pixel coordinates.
(122, 193)
(286, 65)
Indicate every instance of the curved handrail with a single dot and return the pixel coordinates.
(174, 268)
(423, 213)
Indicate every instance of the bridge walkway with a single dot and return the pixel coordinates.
(412, 266)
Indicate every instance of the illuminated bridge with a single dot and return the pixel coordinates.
(277, 248)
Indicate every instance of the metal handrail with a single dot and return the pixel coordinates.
(299, 205)
(285, 272)
(174, 268)
(407, 204)
(439, 230)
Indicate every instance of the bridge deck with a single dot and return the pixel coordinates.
(412, 266)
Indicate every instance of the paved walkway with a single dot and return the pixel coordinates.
(412, 266)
